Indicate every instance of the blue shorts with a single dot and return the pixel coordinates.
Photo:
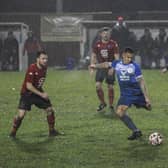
(138, 101)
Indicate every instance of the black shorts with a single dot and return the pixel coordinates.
(102, 74)
(26, 101)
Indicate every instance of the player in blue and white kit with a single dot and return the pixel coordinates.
(132, 88)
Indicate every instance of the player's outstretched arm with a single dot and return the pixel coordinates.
(93, 60)
(101, 65)
(144, 90)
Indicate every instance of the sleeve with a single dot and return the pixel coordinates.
(138, 72)
(30, 75)
(114, 63)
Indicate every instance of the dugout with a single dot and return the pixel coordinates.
(20, 31)
(63, 37)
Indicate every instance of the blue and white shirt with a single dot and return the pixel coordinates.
(127, 75)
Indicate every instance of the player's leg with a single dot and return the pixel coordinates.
(100, 75)
(47, 106)
(100, 94)
(50, 118)
(110, 82)
(111, 95)
(51, 122)
(23, 107)
(121, 112)
(17, 122)
(123, 105)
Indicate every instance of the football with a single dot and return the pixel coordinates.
(155, 138)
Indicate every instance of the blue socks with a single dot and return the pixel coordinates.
(128, 122)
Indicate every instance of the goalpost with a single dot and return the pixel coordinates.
(20, 31)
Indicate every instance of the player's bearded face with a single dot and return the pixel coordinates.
(105, 35)
(42, 60)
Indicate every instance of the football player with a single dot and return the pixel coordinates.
(133, 89)
(33, 94)
(104, 50)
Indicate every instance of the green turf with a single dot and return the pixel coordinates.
(91, 140)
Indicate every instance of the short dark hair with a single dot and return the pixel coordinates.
(128, 50)
(39, 53)
(104, 29)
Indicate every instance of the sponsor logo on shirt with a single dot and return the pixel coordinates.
(104, 53)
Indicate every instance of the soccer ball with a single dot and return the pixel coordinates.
(155, 138)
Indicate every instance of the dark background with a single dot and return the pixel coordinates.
(83, 5)
(29, 12)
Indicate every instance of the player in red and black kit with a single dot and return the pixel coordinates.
(104, 50)
(33, 94)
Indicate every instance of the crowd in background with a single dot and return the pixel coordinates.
(9, 51)
(31, 46)
(150, 50)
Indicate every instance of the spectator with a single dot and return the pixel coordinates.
(161, 38)
(96, 38)
(31, 46)
(120, 32)
(161, 46)
(11, 58)
(132, 40)
(146, 46)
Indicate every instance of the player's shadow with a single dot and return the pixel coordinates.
(107, 115)
(40, 146)
(140, 150)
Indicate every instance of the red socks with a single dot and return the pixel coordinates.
(51, 121)
(16, 124)
(111, 96)
(100, 95)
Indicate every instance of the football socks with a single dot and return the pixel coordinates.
(111, 96)
(51, 121)
(100, 95)
(128, 122)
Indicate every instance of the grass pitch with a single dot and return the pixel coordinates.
(91, 140)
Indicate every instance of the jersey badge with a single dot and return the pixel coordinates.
(130, 70)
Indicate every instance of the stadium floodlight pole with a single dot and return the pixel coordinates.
(59, 6)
